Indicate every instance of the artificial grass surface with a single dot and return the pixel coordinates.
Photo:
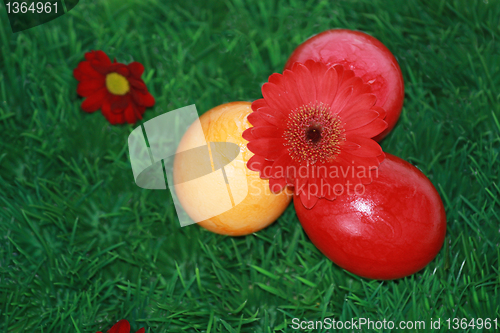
(81, 246)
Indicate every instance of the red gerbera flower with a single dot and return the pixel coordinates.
(115, 88)
(313, 130)
(123, 326)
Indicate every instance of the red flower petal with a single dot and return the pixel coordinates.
(281, 167)
(141, 330)
(305, 83)
(137, 83)
(260, 103)
(119, 68)
(122, 326)
(114, 118)
(367, 147)
(381, 157)
(99, 56)
(256, 119)
(359, 119)
(347, 74)
(268, 148)
(119, 103)
(247, 134)
(292, 90)
(130, 114)
(95, 101)
(139, 111)
(380, 111)
(276, 98)
(316, 68)
(327, 90)
(88, 87)
(267, 132)
(307, 198)
(99, 61)
(277, 185)
(341, 100)
(143, 99)
(357, 84)
(258, 163)
(136, 69)
(372, 129)
(347, 159)
(359, 103)
(276, 79)
(274, 118)
(85, 72)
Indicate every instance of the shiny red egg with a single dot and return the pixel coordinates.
(387, 230)
(367, 57)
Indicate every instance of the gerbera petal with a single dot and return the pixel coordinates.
(357, 84)
(367, 147)
(347, 159)
(258, 163)
(142, 98)
(380, 111)
(381, 157)
(346, 76)
(276, 79)
(247, 134)
(328, 87)
(260, 103)
(88, 87)
(281, 166)
(268, 148)
(359, 119)
(136, 69)
(371, 129)
(141, 330)
(341, 100)
(256, 119)
(276, 98)
(305, 83)
(316, 68)
(340, 71)
(361, 87)
(292, 90)
(271, 116)
(307, 199)
(95, 101)
(358, 103)
(266, 132)
(277, 185)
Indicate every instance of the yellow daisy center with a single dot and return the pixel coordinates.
(117, 84)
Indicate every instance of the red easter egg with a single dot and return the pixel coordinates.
(367, 57)
(386, 230)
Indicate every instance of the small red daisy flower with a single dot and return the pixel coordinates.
(115, 88)
(313, 130)
(123, 326)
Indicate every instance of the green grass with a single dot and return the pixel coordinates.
(81, 246)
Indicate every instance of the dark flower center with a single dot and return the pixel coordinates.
(313, 134)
